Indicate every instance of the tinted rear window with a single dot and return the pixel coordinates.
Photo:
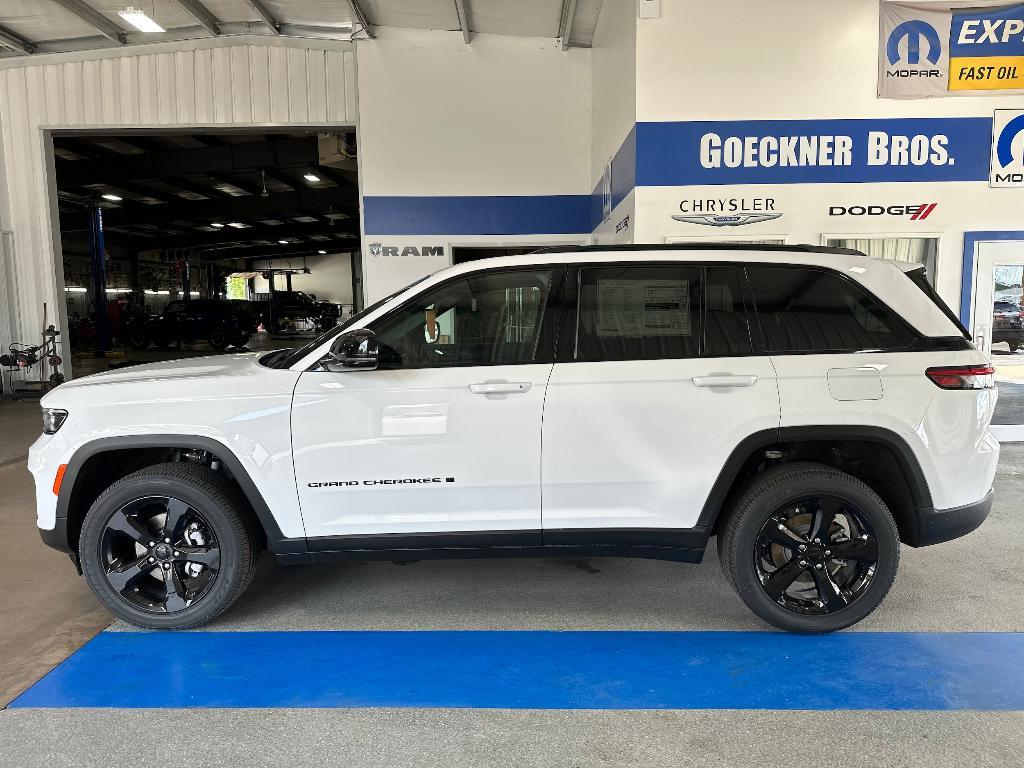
(811, 310)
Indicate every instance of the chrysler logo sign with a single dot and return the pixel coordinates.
(727, 211)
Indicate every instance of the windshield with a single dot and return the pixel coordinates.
(286, 358)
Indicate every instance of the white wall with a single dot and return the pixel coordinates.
(257, 81)
(613, 65)
(330, 277)
(501, 116)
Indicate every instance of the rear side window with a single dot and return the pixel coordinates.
(810, 310)
(657, 312)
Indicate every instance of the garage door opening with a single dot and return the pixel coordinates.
(180, 244)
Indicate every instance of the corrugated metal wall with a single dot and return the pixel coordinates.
(231, 82)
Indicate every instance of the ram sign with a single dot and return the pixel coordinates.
(944, 50)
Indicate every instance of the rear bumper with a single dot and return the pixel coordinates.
(935, 526)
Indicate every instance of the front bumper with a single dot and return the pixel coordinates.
(57, 537)
(934, 526)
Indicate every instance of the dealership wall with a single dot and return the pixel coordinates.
(480, 144)
(746, 60)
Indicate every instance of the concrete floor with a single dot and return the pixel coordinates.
(975, 583)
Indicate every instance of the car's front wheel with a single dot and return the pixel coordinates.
(167, 547)
(809, 548)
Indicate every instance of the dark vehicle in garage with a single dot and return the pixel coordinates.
(1007, 324)
(277, 309)
(219, 322)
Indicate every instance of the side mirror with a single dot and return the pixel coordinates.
(354, 350)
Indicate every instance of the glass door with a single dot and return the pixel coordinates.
(998, 329)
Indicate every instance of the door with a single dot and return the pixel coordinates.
(444, 437)
(657, 385)
(998, 329)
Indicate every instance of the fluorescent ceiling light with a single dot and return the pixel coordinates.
(217, 224)
(111, 198)
(119, 290)
(138, 19)
(237, 224)
(157, 293)
(321, 251)
(311, 177)
(76, 289)
(283, 242)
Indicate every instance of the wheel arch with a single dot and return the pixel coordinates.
(87, 474)
(893, 472)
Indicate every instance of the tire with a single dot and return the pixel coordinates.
(240, 340)
(138, 338)
(218, 340)
(1013, 346)
(214, 506)
(792, 495)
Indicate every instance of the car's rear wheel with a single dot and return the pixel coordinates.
(167, 547)
(218, 339)
(809, 548)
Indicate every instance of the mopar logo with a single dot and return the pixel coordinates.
(913, 31)
(1007, 148)
(376, 249)
(1004, 144)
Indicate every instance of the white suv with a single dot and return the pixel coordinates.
(810, 407)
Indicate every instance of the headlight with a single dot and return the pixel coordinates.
(53, 419)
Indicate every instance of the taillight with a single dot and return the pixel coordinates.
(963, 376)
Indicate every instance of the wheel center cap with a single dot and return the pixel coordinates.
(162, 552)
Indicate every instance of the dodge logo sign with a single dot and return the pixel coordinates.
(916, 211)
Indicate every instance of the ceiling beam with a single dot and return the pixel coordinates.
(227, 209)
(335, 245)
(568, 19)
(268, 18)
(357, 11)
(94, 19)
(16, 42)
(229, 236)
(188, 162)
(280, 178)
(460, 11)
(202, 14)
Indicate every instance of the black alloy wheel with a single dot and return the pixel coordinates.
(170, 546)
(817, 555)
(809, 548)
(159, 554)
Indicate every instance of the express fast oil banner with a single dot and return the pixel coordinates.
(949, 50)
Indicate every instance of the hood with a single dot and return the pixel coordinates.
(196, 369)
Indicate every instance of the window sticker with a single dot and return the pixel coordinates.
(635, 308)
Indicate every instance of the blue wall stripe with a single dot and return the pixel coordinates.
(477, 215)
(971, 240)
(546, 670)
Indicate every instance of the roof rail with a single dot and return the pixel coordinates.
(702, 247)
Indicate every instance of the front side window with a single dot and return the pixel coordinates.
(487, 319)
(812, 310)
